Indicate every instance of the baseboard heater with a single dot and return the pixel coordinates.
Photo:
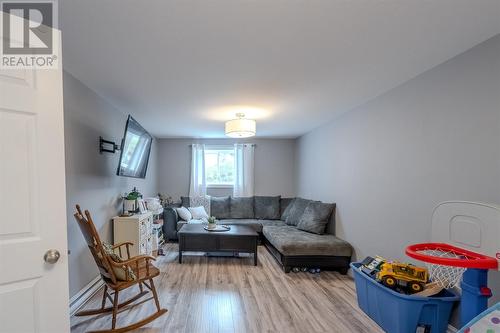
(81, 297)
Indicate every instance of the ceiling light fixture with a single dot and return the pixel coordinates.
(240, 127)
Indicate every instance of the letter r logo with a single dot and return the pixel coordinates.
(29, 27)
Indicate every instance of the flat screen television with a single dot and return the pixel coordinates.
(135, 149)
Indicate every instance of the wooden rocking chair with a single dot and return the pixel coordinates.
(137, 271)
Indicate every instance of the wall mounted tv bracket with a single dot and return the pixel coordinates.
(106, 146)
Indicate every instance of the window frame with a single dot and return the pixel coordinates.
(218, 147)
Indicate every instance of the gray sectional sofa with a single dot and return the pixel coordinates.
(296, 231)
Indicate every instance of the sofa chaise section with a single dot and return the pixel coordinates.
(296, 248)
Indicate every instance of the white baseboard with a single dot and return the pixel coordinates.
(81, 297)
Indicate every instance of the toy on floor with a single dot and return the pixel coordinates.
(430, 289)
(305, 269)
(371, 266)
(406, 276)
(486, 322)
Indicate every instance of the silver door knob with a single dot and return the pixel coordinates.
(51, 256)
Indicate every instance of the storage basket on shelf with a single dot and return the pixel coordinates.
(399, 313)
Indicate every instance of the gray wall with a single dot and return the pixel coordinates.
(90, 176)
(389, 162)
(274, 166)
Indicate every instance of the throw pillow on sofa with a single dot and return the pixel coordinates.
(267, 208)
(184, 213)
(198, 213)
(315, 217)
(242, 208)
(220, 207)
(197, 201)
(296, 210)
(185, 201)
(285, 206)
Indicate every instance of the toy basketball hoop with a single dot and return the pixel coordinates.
(465, 244)
(447, 263)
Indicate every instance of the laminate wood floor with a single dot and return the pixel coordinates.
(213, 294)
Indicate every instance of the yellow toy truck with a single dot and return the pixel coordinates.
(393, 274)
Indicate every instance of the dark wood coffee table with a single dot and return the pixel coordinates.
(192, 237)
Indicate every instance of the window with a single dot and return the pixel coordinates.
(219, 166)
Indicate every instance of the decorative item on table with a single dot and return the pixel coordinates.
(212, 222)
(213, 226)
(130, 204)
(217, 228)
(142, 206)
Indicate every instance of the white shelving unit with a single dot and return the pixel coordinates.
(137, 229)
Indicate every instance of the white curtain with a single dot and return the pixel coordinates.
(244, 167)
(197, 187)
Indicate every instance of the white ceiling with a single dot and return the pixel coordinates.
(180, 66)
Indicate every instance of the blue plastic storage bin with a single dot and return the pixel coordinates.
(399, 313)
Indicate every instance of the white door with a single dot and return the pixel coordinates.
(33, 293)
